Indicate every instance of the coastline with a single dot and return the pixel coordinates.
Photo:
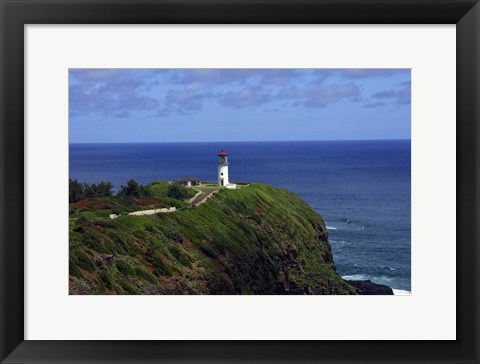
(359, 236)
(401, 292)
(360, 279)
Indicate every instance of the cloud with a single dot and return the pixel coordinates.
(209, 76)
(246, 97)
(358, 73)
(279, 77)
(374, 105)
(122, 114)
(124, 93)
(134, 102)
(108, 92)
(191, 99)
(400, 96)
(385, 94)
(320, 75)
(320, 96)
(96, 75)
(214, 77)
(184, 101)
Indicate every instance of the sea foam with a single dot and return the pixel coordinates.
(401, 292)
(356, 277)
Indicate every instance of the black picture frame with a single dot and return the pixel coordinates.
(17, 13)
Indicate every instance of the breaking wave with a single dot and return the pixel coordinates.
(401, 292)
(345, 225)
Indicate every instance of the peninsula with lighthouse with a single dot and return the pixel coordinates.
(189, 236)
(240, 181)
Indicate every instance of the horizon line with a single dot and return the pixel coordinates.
(251, 141)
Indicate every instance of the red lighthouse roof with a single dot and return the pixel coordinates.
(222, 153)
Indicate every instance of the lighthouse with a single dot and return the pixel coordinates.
(223, 168)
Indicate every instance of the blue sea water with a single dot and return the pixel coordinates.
(361, 188)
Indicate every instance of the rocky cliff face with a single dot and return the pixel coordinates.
(369, 288)
(254, 240)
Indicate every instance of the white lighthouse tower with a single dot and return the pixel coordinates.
(223, 168)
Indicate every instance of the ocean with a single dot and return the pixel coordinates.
(361, 188)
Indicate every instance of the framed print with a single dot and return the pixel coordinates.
(239, 181)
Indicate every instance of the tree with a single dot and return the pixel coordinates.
(133, 189)
(102, 189)
(177, 191)
(76, 191)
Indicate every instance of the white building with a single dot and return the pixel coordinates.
(190, 181)
(223, 170)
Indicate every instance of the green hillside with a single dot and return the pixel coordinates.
(254, 240)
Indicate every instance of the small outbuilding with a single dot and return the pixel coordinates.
(190, 181)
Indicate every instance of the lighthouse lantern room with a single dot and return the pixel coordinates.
(223, 168)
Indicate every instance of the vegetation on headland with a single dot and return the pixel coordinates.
(254, 240)
(98, 200)
(158, 189)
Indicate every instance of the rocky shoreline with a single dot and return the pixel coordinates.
(369, 288)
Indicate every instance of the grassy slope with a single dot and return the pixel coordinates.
(255, 240)
(93, 207)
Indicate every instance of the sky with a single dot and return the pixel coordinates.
(186, 105)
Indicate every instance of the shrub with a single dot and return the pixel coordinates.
(84, 221)
(127, 287)
(158, 189)
(208, 251)
(172, 233)
(106, 278)
(124, 268)
(160, 268)
(83, 261)
(179, 192)
(73, 269)
(145, 275)
(180, 256)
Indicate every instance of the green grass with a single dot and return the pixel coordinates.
(103, 207)
(158, 188)
(255, 240)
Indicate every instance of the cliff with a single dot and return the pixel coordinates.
(253, 240)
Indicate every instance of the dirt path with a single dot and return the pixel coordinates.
(207, 193)
(147, 212)
(153, 212)
(204, 195)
